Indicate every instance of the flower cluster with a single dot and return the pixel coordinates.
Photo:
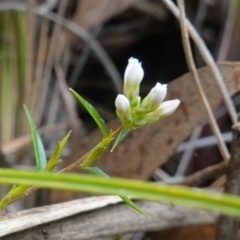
(134, 113)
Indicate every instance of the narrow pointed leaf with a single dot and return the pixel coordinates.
(40, 157)
(98, 172)
(14, 193)
(120, 137)
(221, 203)
(93, 112)
(54, 160)
(131, 204)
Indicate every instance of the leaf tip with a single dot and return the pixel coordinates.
(71, 90)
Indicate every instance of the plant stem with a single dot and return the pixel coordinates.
(66, 169)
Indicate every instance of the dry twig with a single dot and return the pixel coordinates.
(206, 55)
(200, 177)
(191, 65)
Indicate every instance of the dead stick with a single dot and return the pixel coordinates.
(191, 65)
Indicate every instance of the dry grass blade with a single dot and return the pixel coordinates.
(29, 59)
(40, 62)
(68, 99)
(50, 59)
(191, 65)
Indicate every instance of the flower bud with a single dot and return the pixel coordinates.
(134, 73)
(122, 104)
(123, 110)
(165, 109)
(158, 93)
(152, 101)
(168, 107)
(132, 78)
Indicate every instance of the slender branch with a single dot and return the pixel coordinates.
(200, 177)
(191, 65)
(77, 163)
(207, 57)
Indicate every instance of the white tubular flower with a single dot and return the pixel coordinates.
(122, 104)
(134, 72)
(132, 78)
(164, 110)
(168, 107)
(134, 113)
(158, 93)
(152, 101)
(123, 109)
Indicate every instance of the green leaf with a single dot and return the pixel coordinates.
(131, 204)
(40, 157)
(97, 151)
(120, 137)
(98, 172)
(184, 196)
(93, 112)
(54, 160)
(14, 193)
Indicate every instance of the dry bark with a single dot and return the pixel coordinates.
(185, 233)
(229, 228)
(104, 221)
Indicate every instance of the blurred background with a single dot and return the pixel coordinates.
(47, 46)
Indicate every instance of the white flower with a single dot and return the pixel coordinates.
(134, 113)
(122, 104)
(153, 100)
(134, 72)
(158, 93)
(164, 110)
(168, 107)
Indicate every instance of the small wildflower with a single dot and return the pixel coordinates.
(164, 110)
(158, 93)
(131, 111)
(132, 78)
(155, 97)
(123, 109)
(122, 104)
(134, 72)
(168, 107)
